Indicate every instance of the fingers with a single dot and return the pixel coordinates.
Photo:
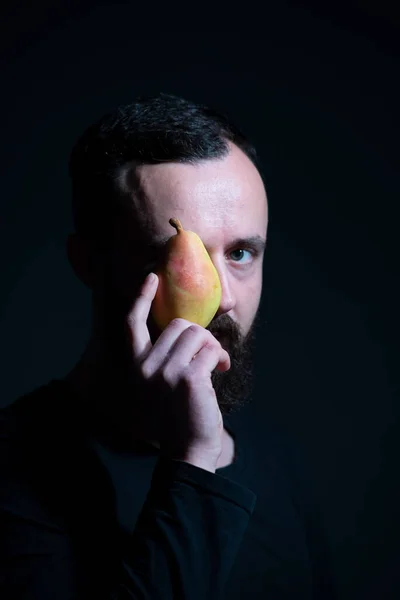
(211, 357)
(162, 351)
(196, 349)
(194, 340)
(137, 318)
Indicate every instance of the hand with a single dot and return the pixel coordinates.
(175, 376)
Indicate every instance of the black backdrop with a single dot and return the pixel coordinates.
(317, 92)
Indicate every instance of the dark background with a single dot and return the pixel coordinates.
(317, 91)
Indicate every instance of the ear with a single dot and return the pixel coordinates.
(81, 258)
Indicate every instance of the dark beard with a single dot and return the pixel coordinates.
(234, 388)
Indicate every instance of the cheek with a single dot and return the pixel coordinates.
(253, 288)
(249, 297)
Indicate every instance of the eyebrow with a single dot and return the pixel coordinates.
(256, 241)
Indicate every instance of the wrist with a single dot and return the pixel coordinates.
(199, 458)
(199, 462)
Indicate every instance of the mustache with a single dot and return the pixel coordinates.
(225, 330)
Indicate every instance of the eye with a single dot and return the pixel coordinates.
(239, 251)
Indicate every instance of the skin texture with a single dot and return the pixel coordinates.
(220, 200)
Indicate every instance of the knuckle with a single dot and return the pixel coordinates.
(195, 328)
(144, 370)
(212, 341)
(168, 376)
(177, 323)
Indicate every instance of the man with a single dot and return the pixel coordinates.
(143, 473)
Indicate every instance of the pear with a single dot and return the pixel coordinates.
(189, 286)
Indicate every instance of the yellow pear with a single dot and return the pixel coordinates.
(189, 286)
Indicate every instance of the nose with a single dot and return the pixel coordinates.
(228, 301)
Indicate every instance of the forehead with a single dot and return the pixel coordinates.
(224, 197)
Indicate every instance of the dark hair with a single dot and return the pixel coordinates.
(161, 128)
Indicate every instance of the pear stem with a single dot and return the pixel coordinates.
(177, 224)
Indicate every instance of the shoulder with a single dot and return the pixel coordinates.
(18, 418)
(48, 471)
(43, 410)
(22, 461)
(39, 434)
(29, 422)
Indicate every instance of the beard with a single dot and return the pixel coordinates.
(234, 388)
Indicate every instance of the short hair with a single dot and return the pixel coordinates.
(150, 130)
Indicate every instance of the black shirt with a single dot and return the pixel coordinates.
(85, 514)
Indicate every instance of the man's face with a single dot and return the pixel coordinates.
(222, 201)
